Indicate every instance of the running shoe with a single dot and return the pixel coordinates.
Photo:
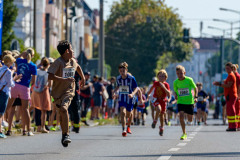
(4, 124)
(198, 123)
(161, 131)
(129, 130)
(24, 133)
(124, 133)
(153, 124)
(169, 123)
(65, 140)
(183, 137)
(143, 123)
(9, 133)
(52, 128)
(2, 135)
(30, 134)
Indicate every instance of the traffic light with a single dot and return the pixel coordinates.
(186, 37)
(72, 12)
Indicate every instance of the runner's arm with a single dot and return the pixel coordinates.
(150, 91)
(114, 91)
(57, 78)
(228, 85)
(133, 93)
(33, 79)
(80, 72)
(86, 86)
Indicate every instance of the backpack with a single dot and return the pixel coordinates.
(40, 83)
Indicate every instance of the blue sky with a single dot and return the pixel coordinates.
(192, 12)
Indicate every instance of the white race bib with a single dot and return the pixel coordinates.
(200, 98)
(68, 72)
(183, 92)
(124, 89)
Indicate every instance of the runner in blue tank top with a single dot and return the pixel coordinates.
(127, 86)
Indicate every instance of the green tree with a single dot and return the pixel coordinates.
(147, 35)
(10, 13)
(214, 64)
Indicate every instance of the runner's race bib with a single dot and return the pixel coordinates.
(68, 72)
(183, 92)
(200, 98)
(124, 89)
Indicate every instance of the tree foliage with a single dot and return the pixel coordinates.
(10, 13)
(147, 35)
(214, 64)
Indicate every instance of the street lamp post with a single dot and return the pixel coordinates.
(231, 28)
(237, 12)
(73, 29)
(222, 48)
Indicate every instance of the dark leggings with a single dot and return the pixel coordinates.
(37, 117)
(85, 103)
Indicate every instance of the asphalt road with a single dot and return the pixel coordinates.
(106, 143)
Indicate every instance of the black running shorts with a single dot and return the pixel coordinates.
(186, 108)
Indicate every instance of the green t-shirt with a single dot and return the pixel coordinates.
(183, 89)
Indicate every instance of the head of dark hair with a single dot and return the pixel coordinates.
(95, 76)
(45, 62)
(229, 64)
(63, 46)
(100, 79)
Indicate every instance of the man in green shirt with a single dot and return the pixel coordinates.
(183, 87)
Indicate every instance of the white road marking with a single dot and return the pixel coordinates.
(190, 137)
(164, 157)
(192, 134)
(187, 140)
(181, 144)
(173, 149)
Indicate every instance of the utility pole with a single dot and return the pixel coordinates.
(101, 42)
(47, 35)
(34, 23)
(222, 57)
(66, 24)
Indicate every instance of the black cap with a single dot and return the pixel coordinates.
(86, 73)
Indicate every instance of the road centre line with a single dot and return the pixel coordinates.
(181, 144)
(164, 157)
(173, 149)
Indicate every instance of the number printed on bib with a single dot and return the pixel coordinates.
(183, 92)
(124, 89)
(200, 98)
(68, 72)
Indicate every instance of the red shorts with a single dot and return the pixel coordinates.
(162, 104)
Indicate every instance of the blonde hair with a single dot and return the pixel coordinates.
(6, 52)
(30, 53)
(15, 53)
(180, 68)
(123, 65)
(163, 71)
(8, 59)
(235, 66)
